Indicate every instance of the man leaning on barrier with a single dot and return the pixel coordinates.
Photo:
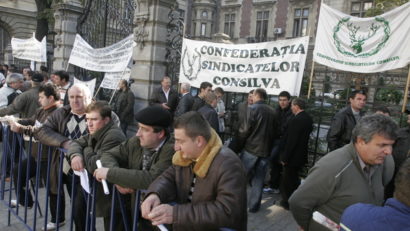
(134, 164)
(66, 124)
(48, 97)
(206, 181)
(83, 152)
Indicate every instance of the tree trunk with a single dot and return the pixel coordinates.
(43, 6)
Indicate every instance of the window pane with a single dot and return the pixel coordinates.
(297, 12)
(304, 27)
(226, 28)
(265, 29)
(296, 28)
(356, 6)
(232, 30)
(226, 17)
(305, 12)
(367, 5)
(266, 15)
(233, 17)
(204, 14)
(259, 15)
(203, 29)
(258, 29)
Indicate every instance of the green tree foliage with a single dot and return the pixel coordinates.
(45, 18)
(382, 6)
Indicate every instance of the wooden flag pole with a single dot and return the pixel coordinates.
(311, 79)
(406, 92)
(311, 73)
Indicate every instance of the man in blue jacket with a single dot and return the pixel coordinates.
(394, 215)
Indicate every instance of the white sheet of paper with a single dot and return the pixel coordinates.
(162, 228)
(83, 179)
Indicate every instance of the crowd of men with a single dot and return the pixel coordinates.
(190, 179)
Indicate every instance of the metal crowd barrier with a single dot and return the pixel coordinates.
(11, 161)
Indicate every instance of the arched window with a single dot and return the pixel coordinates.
(204, 14)
(4, 42)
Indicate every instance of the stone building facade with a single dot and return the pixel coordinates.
(17, 19)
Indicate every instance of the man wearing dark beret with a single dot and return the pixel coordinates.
(135, 163)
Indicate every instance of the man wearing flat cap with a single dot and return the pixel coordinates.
(135, 163)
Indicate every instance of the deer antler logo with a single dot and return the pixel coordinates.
(358, 42)
(191, 64)
(358, 38)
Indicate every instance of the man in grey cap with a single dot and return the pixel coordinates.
(138, 161)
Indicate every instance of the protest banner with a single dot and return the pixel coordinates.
(29, 49)
(114, 58)
(111, 79)
(364, 45)
(275, 66)
(90, 84)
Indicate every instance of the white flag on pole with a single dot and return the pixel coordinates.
(364, 45)
(114, 58)
(275, 66)
(29, 49)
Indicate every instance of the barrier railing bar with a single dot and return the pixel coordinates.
(60, 183)
(73, 195)
(38, 176)
(49, 152)
(28, 169)
(11, 179)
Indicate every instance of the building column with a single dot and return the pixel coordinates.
(66, 15)
(150, 34)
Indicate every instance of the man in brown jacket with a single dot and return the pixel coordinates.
(48, 98)
(206, 181)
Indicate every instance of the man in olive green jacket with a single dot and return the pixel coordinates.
(354, 173)
(85, 151)
(137, 162)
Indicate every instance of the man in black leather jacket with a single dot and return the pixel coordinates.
(257, 131)
(341, 127)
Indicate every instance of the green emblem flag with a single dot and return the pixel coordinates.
(275, 66)
(364, 45)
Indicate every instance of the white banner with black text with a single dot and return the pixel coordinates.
(275, 66)
(363, 45)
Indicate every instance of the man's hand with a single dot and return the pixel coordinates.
(101, 174)
(164, 105)
(162, 214)
(124, 190)
(66, 144)
(149, 203)
(77, 163)
(16, 127)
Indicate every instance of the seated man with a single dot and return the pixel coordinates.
(206, 180)
(394, 215)
(85, 151)
(357, 172)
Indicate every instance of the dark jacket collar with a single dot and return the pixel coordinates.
(260, 102)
